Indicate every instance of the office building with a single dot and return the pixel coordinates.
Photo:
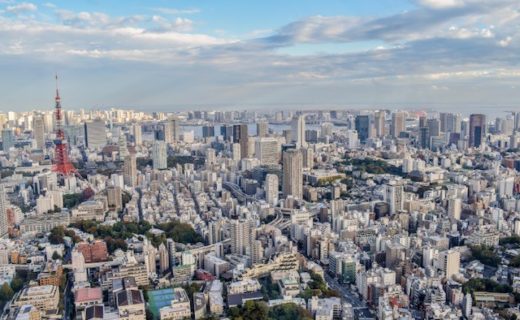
(477, 130)
(208, 131)
(137, 133)
(292, 173)
(3, 212)
(298, 131)
(159, 155)
(95, 134)
(7, 139)
(271, 186)
(362, 125)
(267, 150)
(39, 131)
(172, 130)
(241, 236)
(398, 124)
(130, 170)
(241, 136)
(262, 128)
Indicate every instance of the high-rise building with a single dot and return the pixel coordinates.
(236, 153)
(449, 262)
(477, 130)
(130, 170)
(226, 132)
(39, 131)
(262, 128)
(164, 259)
(434, 127)
(241, 136)
(398, 124)
(95, 134)
(298, 131)
(455, 208)
(292, 173)
(159, 155)
(395, 197)
(115, 198)
(242, 234)
(325, 130)
(267, 150)
(172, 129)
(271, 187)
(362, 125)
(7, 139)
(424, 137)
(379, 123)
(208, 131)
(138, 135)
(3, 212)
(308, 158)
(123, 148)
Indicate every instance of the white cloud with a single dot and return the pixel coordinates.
(173, 11)
(442, 4)
(21, 8)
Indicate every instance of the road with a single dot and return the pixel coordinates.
(359, 306)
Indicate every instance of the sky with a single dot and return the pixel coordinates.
(171, 55)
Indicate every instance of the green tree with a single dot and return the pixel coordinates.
(6, 292)
(17, 283)
(255, 310)
(289, 311)
(56, 256)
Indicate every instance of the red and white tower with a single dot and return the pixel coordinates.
(61, 165)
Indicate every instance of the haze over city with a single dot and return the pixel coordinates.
(176, 55)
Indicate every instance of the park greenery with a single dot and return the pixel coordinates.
(116, 234)
(485, 255)
(372, 166)
(317, 287)
(258, 310)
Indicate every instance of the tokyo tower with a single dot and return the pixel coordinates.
(62, 164)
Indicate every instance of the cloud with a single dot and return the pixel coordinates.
(173, 11)
(21, 8)
(426, 48)
(442, 4)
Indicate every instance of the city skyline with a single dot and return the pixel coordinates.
(300, 55)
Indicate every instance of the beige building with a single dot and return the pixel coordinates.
(179, 308)
(44, 298)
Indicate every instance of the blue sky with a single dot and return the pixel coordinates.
(181, 54)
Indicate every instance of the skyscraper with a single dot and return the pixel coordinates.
(159, 155)
(123, 148)
(267, 150)
(298, 131)
(395, 197)
(130, 170)
(292, 173)
(95, 134)
(398, 124)
(434, 127)
(7, 139)
(477, 130)
(241, 136)
(241, 237)
(138, 136)
(172, 130)
(208, 131)
(362, 124)
(3, 212)
(39, 131)
(262, 128)
(271, 186)
(379, 123)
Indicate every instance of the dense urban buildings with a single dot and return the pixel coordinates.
(341, 214)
